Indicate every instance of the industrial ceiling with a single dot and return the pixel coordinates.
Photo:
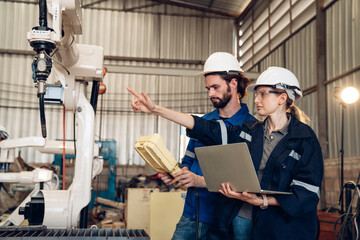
(232, 8)
(228, 8)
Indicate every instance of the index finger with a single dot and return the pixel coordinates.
(133, 92)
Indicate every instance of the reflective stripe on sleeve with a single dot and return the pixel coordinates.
(223, 132)
(189, 154)
(245, 136)
(295, 155)
(309, 187)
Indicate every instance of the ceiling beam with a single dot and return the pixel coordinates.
(92, 3)
(141, 69)
(197, 7)
(163, 71)
(140, 7)
(116, 58)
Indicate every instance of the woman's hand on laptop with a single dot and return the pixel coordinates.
(251, 198)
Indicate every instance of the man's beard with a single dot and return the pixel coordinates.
(223, 101)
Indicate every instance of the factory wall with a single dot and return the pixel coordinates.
(132, 39)
(297, 52)
(294, 47)
(343, 61)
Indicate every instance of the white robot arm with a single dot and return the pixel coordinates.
(75, 65)
(37, 177)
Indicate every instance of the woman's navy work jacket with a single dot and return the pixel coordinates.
(295, 165)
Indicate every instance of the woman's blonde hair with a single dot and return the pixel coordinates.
(296, 111)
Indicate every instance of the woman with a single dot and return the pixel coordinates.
(285, 152)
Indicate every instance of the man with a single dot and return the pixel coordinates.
(226, 84)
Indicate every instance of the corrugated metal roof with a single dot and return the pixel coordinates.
(224, 7)
(219, 7)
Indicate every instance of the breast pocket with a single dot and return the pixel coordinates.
(290, 160)
(284, 169)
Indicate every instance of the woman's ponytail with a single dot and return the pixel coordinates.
(297, 112)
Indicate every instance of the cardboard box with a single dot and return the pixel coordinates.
(137, 210)
(165, 212)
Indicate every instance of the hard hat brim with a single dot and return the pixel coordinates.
(206, 72)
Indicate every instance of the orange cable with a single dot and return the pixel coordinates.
(64, 147)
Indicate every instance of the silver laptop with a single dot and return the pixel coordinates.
(230, 163)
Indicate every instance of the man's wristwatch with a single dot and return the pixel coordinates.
(265, 203)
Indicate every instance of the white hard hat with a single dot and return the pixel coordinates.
(221, 62)
(3, 133)
(280, 78)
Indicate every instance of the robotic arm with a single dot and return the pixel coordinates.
(60, 36)
(42, 40)
(38, 177)
(75, 65)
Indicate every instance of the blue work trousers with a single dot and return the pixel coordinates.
(186, 229)
(242, 228)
